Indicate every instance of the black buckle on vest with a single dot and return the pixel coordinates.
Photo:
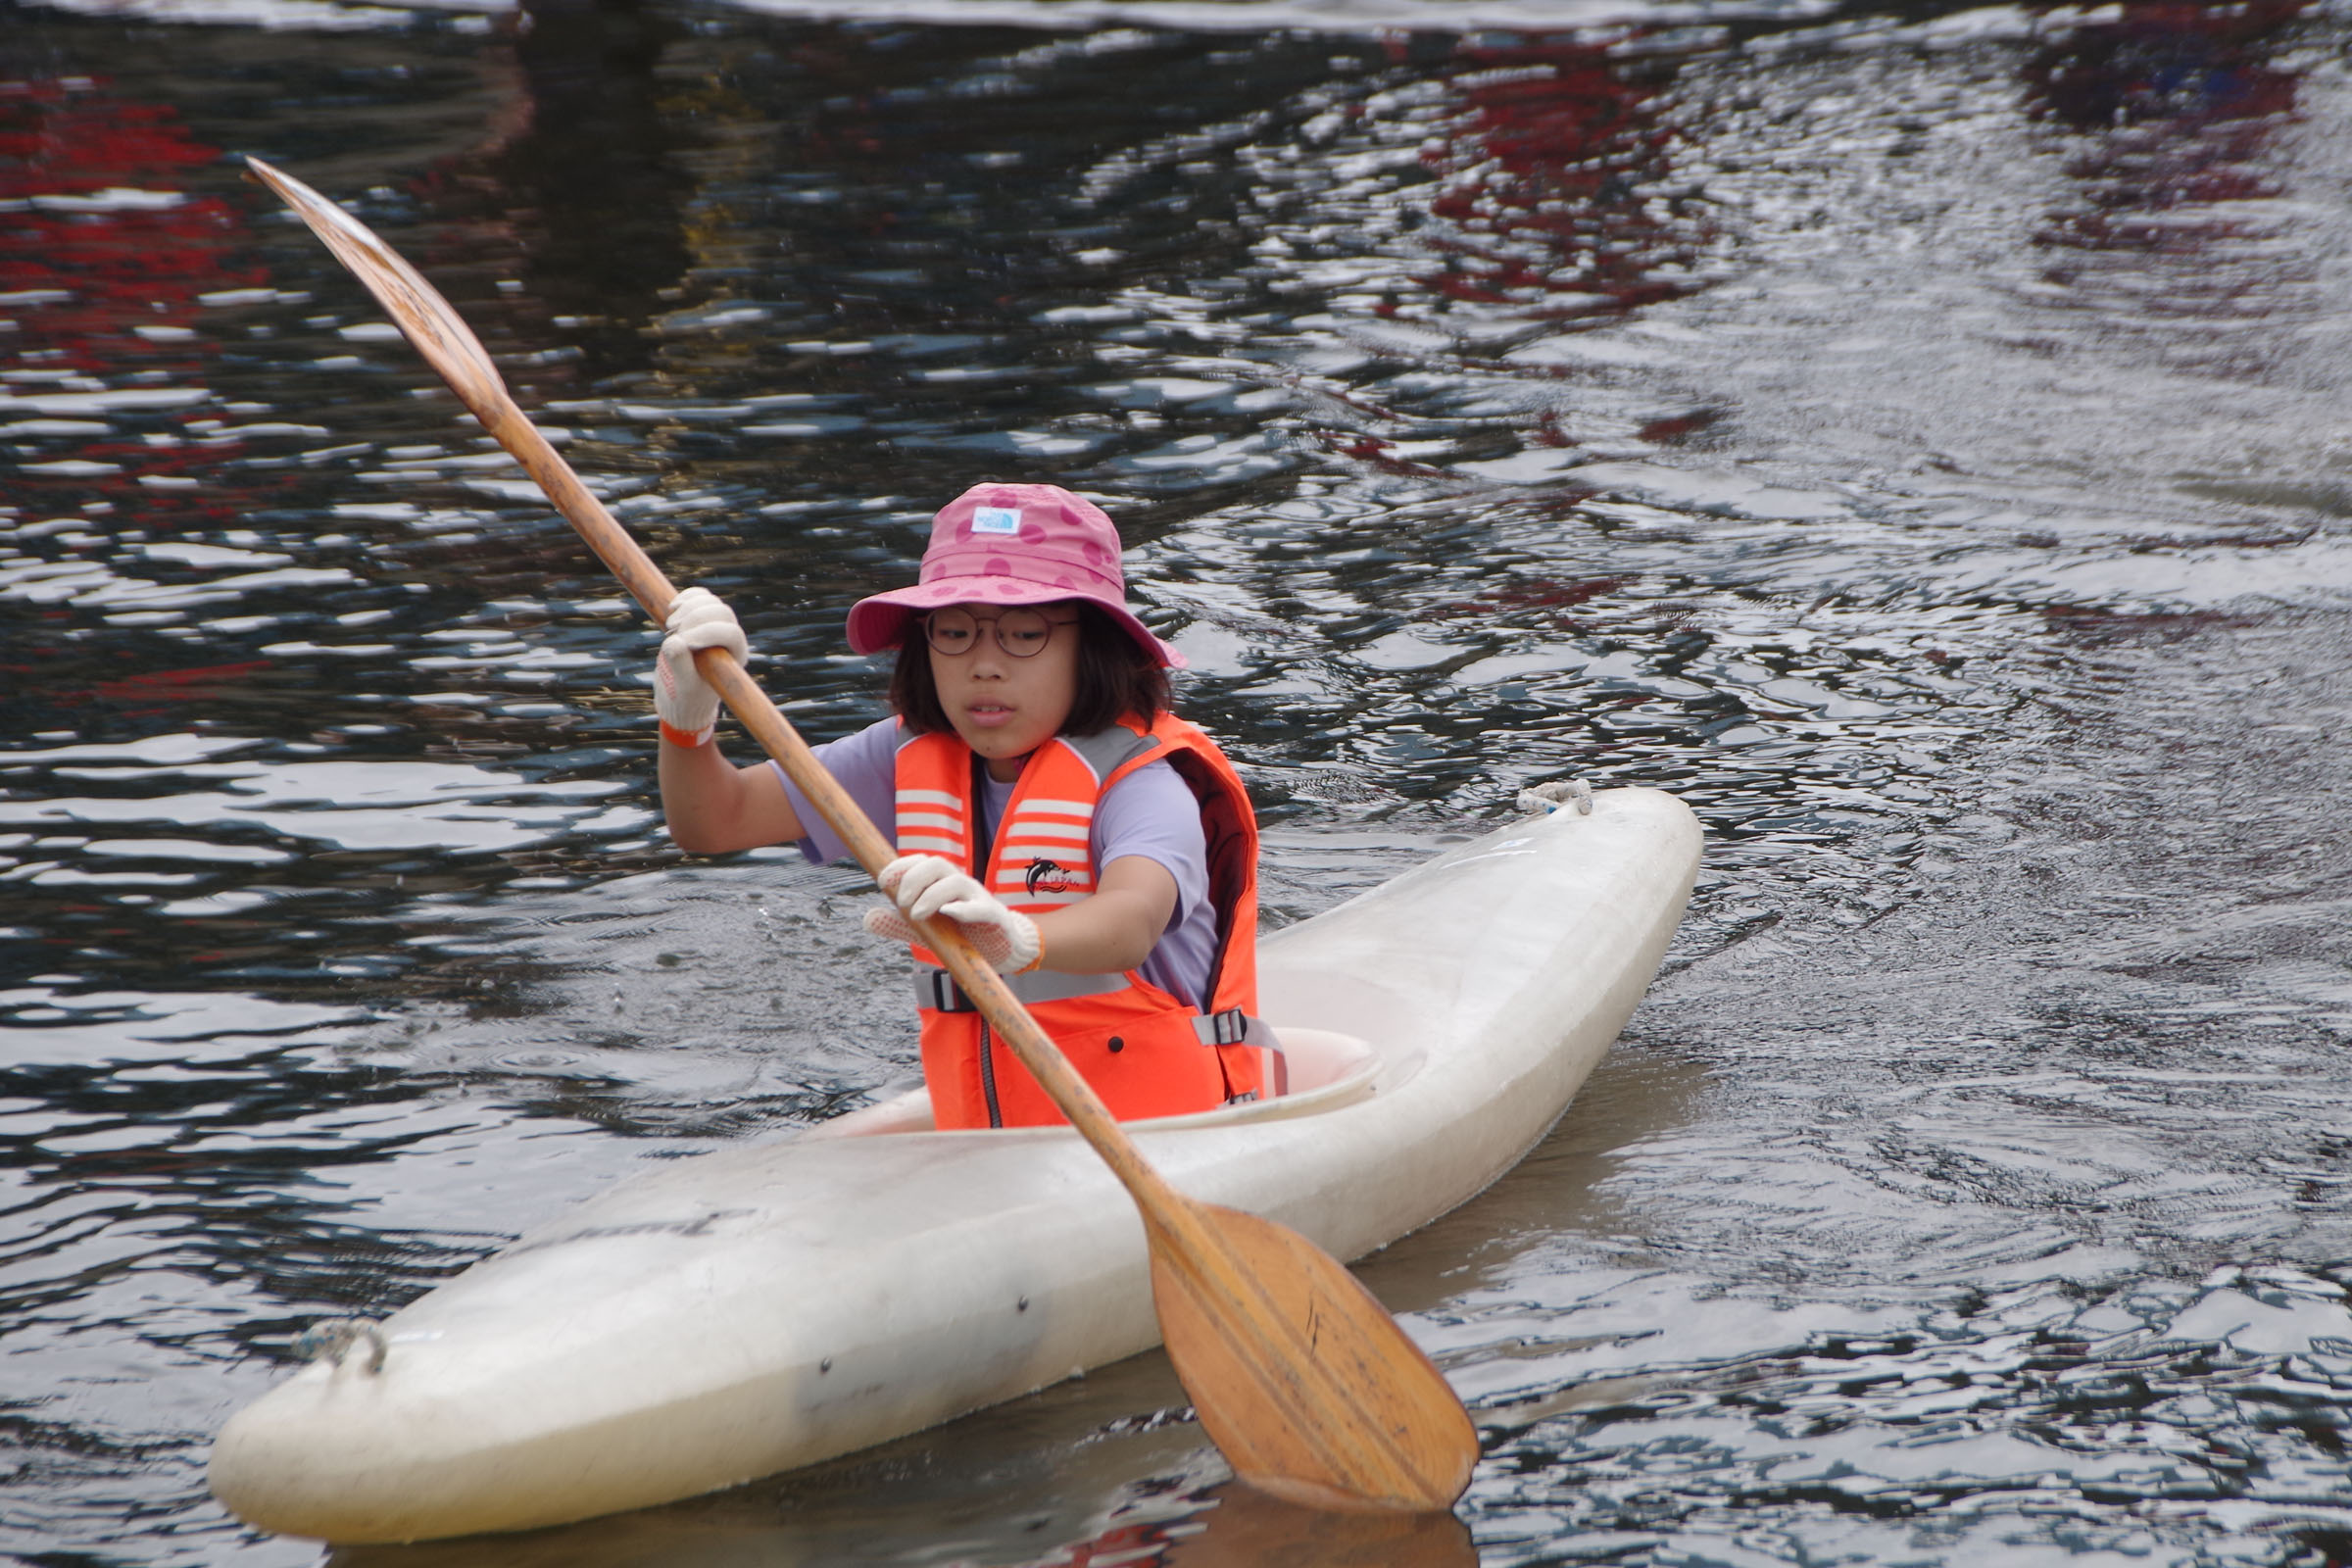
(936, 989)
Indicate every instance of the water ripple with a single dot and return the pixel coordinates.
(1915, 440)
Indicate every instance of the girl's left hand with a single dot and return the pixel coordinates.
(927, 886)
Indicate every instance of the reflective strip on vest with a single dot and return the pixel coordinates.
(926, 844)
(936, 989)
(930, 822)
(1029, 830)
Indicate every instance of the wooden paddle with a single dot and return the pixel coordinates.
(1298, 1372)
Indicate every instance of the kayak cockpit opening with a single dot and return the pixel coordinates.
(1322, 1070)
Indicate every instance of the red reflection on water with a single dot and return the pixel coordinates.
(1675, 427)
(2180, 100)
(177, 685)
(1546, 168)
(105, 253)
(142, 695)
(106, 221)
(2179, 62)
(1534, 600)
(1374, 452)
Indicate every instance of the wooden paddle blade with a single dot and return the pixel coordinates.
(415, 307)
(1299, 1376)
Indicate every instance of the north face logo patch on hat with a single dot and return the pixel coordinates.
(996, 519)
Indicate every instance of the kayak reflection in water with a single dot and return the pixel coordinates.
(1097, 851)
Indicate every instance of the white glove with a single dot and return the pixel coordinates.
(697, 618)
(926, 886)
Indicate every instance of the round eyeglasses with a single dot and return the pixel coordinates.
(1021, 633)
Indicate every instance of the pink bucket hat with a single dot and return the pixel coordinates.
(1010, 544)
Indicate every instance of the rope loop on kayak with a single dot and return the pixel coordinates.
(1545, 799)
(332, 1339)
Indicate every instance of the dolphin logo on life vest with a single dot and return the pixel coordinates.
(1048, 875)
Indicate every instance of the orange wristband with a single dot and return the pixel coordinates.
(687, 738)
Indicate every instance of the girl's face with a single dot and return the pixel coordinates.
(1004, 707)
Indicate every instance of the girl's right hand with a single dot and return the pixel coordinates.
(697, 618)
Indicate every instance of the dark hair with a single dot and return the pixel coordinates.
(1116, 678)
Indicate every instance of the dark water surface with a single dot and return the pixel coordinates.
(1917, 436)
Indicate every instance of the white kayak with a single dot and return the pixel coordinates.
(760, 1308)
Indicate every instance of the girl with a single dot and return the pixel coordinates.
(1097, 851)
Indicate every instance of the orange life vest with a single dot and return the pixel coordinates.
(1146, 1053)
